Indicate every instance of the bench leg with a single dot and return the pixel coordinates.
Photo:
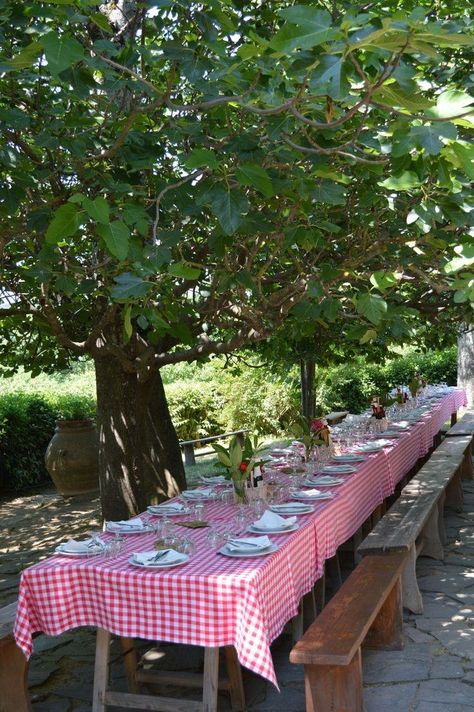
(441, 528)
(386, 632)
(411, 595)
(454, 493)
(429, 538)
(454, 418)
(334, 687)
(14, 695)
(320, 593)
(467, 472)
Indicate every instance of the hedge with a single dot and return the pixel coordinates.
(207, 402)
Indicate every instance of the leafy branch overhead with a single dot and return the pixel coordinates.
(177, 180)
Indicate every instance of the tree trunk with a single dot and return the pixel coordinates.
(466, 364)
(307, 387)
(140, 460)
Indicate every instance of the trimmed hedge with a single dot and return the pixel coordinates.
(204, 401)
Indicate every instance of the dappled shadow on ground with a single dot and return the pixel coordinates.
(32, 526)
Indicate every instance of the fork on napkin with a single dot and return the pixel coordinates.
(72, 546)
(168, 507)
(270, 520)
(198, 493)
(249, 543)
(157, 558)
(135, 524)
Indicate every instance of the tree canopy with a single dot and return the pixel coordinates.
(206, 170)
(179, 179)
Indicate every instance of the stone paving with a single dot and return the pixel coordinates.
(434, 672)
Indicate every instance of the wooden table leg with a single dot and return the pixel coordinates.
(211, 678)
(101, 669)
(14, 696)
(130, 662)
(236, 684)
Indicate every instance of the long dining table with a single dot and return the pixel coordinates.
(213, 600)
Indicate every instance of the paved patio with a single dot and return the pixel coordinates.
(435, 671)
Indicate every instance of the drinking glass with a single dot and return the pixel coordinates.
(214, 538)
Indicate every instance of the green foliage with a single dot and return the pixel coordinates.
(351, 386)
(195, 408)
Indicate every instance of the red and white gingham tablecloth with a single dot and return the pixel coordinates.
(213, 600)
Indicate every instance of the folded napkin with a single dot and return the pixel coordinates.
(218, 480)
(81, 547)
(311, 493)
(270, 520)
(249, 544)
(135, 524)
(338, 468)
(168, 507)
(157, 558)
(198, 493)
(289, 507)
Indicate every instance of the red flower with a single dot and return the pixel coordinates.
(243, 466)
(316, 425)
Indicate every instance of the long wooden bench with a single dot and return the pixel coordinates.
(366, 609)
(415, 524)
(464, 429)
(14, 695)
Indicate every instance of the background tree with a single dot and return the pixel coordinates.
(177, 179)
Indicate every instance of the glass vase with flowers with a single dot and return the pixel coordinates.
(242, 463)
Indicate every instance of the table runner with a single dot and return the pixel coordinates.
(213, 600)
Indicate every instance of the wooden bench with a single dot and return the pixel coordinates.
(464, 428)
(366, 609)
(188, 445)
(415, 524)
(14, 695)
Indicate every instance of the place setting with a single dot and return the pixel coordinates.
(168, 509)
(272, 523)
(129, 526)
(311, 494)
(323, 481)
(291, 508)
(248, 547)
(92, 546)
(162, 559)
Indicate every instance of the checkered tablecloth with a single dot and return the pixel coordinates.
(213, 600)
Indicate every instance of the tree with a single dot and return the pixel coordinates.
(177, 180)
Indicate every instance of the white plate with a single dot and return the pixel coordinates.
(284, 530)
(150, 567)
(126, 530)
(81, 554)
(392, 434)
(370, 448)
(314, 498)
(196, 497)
(305, 509)
(317, 482)
(162, 511)
(338, 469)
(349, 458)
(248, 555)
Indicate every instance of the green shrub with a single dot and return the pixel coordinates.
(351, 386)
(195, 409)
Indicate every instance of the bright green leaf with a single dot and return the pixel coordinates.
(27, 57)
(201, 158)
(372, 306)
(62, 51)
(65, 222)
(116, 236)
(383, 280)
(255, 176)
(183, 270)
(406, 181)
(229, 207)
(97, 209)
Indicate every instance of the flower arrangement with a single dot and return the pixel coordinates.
(417, 384)
(239, 462)
(312, 432)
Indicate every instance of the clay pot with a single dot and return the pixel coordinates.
(72, 457)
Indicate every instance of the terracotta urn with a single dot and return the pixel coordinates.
(72, 457)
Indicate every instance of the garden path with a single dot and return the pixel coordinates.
(435, 671)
